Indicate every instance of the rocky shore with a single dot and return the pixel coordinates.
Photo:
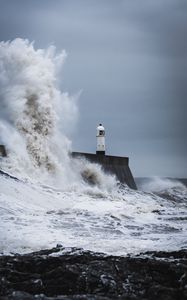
(70, 273)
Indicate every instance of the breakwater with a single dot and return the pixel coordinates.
(117, 165)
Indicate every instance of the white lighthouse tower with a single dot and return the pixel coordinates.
(100, 140)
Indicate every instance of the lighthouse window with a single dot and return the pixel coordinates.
(101, 132)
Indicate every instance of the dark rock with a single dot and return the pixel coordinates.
(78, 274)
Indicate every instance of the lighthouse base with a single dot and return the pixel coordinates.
(116, 165)
(100, 152)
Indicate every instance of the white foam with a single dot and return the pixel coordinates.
(53, 203)
(158, 184)
(33, 110)
(35, 217)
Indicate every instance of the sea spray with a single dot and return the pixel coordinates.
(65, 201)
(35, 114)
(169, 188)
(30, 101)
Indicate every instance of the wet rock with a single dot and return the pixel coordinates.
(76, 274)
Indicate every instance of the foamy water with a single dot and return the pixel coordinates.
(51, 203)
(123, 221)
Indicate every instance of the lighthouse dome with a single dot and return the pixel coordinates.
(100, 127)
(100, 130)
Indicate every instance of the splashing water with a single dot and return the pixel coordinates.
(29, 98)
(61, 207)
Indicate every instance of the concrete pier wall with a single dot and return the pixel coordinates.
(119, 166)
(116, 165)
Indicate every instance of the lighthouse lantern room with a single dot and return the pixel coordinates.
(100, 140)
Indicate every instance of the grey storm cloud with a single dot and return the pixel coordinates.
(129, 58)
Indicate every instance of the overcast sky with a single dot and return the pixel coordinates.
(129, 58)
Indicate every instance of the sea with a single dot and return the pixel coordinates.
(44, 198)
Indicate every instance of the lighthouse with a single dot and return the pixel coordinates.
(100, 136)
(115, 165)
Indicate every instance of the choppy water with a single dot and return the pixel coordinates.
(51, 203)
(34, 216)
